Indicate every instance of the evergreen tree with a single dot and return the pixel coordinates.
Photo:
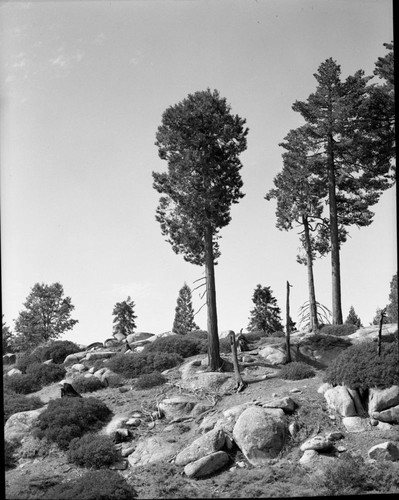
(6, 336)
(124, 317)
(184, 312)
(353, 318)
(351, 154)
(392, 307)
(46, 316)
(265, 316)
(201, 141)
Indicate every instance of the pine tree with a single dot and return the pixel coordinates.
(46, 316)
(351, 153)
(353, 318)
(184, 312)
(392, 307)
(124, 317)
(201, 141)
(265, 316)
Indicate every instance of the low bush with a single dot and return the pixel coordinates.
(10, 460)
(94, 485)
(338, 330)
(21, 384)
(58, 350)
(25, 359)
(350, 475)
(45, 374)
(88, 384)
(359, 367)
(150, 380)
(15, 403)
(183, 345)
(92, 451)
(68, 418)
(296, 371)
(136, 364)
(325, 342)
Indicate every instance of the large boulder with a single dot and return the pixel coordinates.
(356, 424)
(317, 443)
(71, 359)
(391, 415)
(260, 433)
(208, 443)
(339, 399)
(285, 403)
(19, 425)
(9, 359)
(176, 407)
(14, 371)
(275, 355)
(153, 449)
(206, 465)
(134, 337)
(384, 451)
(207, 380)
(92, 356)
(382, 399)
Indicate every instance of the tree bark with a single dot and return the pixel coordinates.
(314, 322)
(214, 359)
(382, 315)
(335, 264)
(240, 384)
(288, 324)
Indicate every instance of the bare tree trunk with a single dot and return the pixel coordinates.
(288, 324)
(335, 263)
(214, 359)
(240, 384)
(382, 316)
(314, 322)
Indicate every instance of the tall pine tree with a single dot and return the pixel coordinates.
(184, 312)
(201, 141)
(353, 318)
(350, 154)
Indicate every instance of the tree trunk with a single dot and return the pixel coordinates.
(288, 324)
(214, 359)
(240, 384)
(382, 315)
(335, 264)
(314, 322)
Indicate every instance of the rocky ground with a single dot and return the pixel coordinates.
(33, 476)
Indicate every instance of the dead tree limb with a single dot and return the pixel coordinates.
(240, 384)
(382, 316)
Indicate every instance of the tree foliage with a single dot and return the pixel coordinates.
(392, 307)
(265, 316)
(350, 151)
(6, 336)
(184, 312)
(353, 318)
(124, 317)
(47, 316)
(201, 140)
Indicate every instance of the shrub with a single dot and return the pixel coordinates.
(88, 384)
(296, 371)
(325, 342)
(183, 345)
(15, 403)
(25, 359)
(68, 418)
(58, 350)
(21, 384)
(9, 455)
(136, 364)
(359, 367)
(92, 451)
(45, 374)
(94, 485)
(150, 380)
(338, 330)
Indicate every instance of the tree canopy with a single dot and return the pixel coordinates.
(184, 312)
(47, 316)
(124, 317)
(265, 316)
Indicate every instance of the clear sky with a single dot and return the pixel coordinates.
(83, 87)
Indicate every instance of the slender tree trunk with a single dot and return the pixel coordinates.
(240, 384)
(288, 324)
(314, 322)
(382, 315)
(214, 359)
(335, 264)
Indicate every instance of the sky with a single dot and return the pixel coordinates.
(83, 85)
